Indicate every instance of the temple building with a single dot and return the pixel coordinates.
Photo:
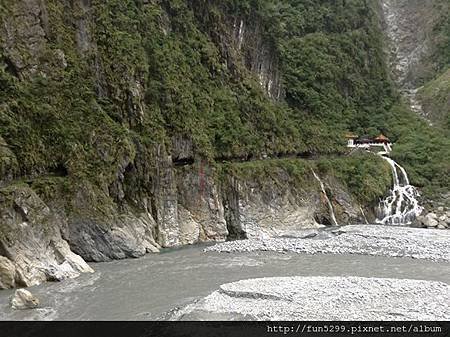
(366, 142)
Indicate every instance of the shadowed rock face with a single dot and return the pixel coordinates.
(7, 273)
(258, 55)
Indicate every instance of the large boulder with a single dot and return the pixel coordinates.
(430, 220)
(7, 273)
(23, 299)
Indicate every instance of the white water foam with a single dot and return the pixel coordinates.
(401, 207)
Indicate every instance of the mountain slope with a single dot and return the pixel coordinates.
(123, 122)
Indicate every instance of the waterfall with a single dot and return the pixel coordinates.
(330, 205)
(401, 207)
(241, 35)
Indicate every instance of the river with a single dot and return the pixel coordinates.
(150, 287)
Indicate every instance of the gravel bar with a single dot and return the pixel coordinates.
(376, 240)
(324, 298)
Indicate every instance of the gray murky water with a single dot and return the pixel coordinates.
(147, 288)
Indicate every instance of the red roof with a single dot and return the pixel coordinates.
(382, 138)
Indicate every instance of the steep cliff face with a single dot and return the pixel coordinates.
(417, 40)
(269, 200)
(419, 37)
(123, 125)
(31, 245)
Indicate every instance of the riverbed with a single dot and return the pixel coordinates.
(151, 288)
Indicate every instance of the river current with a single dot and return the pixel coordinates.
(151, 287)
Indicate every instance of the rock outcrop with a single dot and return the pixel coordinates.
(31, 247)
(412, 27)
(439, 220)
(278, 206)
(23, 299)
(7, 273)
(25, 38)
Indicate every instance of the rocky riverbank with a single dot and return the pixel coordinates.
(48, 240)
(323, 298)
(439, 218)
(373, 240)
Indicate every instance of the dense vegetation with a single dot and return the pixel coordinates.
(148, 72)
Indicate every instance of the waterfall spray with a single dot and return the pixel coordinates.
(401, 207)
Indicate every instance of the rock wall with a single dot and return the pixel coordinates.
(32, 249)
(243, 43)
(411, 27)
(408, 25)
(127, 188)
(24, 37)
(257, 54)
(280, 206)
(41, 241)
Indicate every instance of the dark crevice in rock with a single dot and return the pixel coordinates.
(4, 251)
(247, 158)
(323, 220)
(21, 212)
(59, 170)
(183, 162)
(10, 68)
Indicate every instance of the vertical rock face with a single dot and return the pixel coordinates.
(189, 208)
(24, 36)
(242, 42)
(256, 211)
(258, 55)
(31, 245)
(84, 38)
(200, 197)
(278, 207)
(7, 273)
(410, 26)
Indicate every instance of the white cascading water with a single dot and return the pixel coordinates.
(402, 206)
(330, 205)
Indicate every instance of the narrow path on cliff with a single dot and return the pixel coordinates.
(177, 162)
